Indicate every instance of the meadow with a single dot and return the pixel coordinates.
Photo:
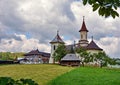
(88, 76)
(48, 74)
(40, 73)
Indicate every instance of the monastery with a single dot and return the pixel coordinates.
(91, 47)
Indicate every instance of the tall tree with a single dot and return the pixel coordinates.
(59, 53)
(105, 7)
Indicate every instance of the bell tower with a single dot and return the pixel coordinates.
(54, 44)
(83, 42)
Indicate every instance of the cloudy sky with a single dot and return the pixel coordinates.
(32, 24)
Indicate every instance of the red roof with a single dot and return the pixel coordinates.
(93, 46)
(83, 28)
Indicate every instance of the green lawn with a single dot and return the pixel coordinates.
(41, 73)
(88, 76)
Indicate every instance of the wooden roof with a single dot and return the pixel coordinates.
(70, 57)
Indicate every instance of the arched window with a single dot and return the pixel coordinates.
(54, 47)
(81, 36)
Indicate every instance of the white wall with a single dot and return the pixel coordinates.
(52, 51)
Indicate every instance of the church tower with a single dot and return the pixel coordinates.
(83, 42)
(54, 44)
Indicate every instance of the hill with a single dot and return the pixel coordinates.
(41, 73)
(88, 76)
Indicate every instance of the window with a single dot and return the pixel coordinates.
(81, 36)
(54, 47)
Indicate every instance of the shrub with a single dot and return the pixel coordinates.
(10, 81)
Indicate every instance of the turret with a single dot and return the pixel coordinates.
(83, 35)
(54, 44)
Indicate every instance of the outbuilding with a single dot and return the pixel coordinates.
(70, 60)
(35, 57)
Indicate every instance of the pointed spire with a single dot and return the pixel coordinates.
(83, 28)
(93, 46)
(57, 39)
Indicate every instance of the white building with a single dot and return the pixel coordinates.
(54, 44)
(91, 47)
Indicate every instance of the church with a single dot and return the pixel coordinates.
(91, 47)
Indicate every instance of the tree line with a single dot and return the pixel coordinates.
(10, 56)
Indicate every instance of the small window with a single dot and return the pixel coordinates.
(54, 47)
(81, 36)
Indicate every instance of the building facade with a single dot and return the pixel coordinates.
(54, 44)
(35, 57)
(91, 47)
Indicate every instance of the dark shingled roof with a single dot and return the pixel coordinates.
(70, 57)
(57, 39)
(37, 52)
(33, 52)
(83, 28)
(68, 47)
(93, 46)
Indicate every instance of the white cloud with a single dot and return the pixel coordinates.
(25, 45)
(42, 18)
(110, 45)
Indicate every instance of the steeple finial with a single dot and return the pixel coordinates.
(92, 38)
(57, 32)
(83, 18)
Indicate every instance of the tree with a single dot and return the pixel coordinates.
(85, 56)
(59, 53)
(10, 56)
(116, 61)
(112, 61)
(105, 7)
(102, 57)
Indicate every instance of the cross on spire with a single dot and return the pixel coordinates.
(57, 32)
(92, 38)
(83, 18)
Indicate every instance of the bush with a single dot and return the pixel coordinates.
(10, 81)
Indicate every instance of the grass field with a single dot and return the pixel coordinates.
(88, 76)
(41, 73)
